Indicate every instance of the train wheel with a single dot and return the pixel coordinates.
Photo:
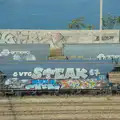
(56, 93)
(18, 93)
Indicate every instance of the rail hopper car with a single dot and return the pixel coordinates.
(62, 76)
(93, 51)
(75, 76)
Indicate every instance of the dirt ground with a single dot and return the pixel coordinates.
(60, 108)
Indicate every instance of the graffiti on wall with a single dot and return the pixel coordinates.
(105, 38)
(56, 37)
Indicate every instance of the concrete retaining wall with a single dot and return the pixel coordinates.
(57, 37)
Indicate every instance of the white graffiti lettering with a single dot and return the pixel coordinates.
(15, 74)
(48, 72)
(18, 55)
(6, 52)
(20, 52)
(109, 57)
(70, 73)
(37, 73)
(94, 72)
(81, 73)
(59, 73)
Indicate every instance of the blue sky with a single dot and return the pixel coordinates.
(52, 14)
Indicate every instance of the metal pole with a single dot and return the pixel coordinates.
(101, 17)
(101, 13)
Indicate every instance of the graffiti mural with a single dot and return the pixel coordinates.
(82, 84)
(54, 84)
(55, 75)
(57, 37)
(16, 83)
(28, 84)
(59, 73)
(42, 84)
(58, 78)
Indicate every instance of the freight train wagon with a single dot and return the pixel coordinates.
(93, 51)
(102, 51)
(21, 74)
(56, 76)
(23, 52)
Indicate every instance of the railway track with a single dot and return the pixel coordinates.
(60, 108)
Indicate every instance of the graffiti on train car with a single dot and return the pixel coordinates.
(31, 84)
(68, 84)
(41, 84)
(16, 83)
(59, 73)
(18, 55)
(80, 84)
(58, 78)
(110, 57)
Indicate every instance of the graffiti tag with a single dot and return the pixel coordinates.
(59, 73)
(18, 55)
(104, 57)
